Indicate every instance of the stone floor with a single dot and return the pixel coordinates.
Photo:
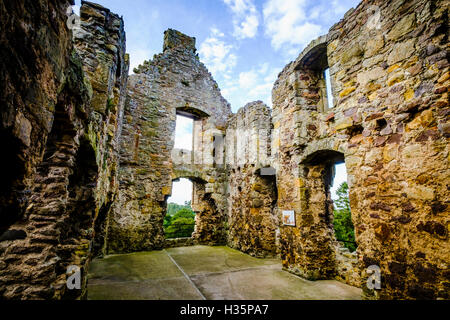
(200, 272)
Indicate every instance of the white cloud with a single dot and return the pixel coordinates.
(181, 192)
(248, 79)
(245, 18)
(286, 23)
(262, 92)
(292, 24)
(227, 91)
(340, 7)
(272, 75)
(217, 54)
(264, 68)
(251, 85)
(330, 12)
(216, 32)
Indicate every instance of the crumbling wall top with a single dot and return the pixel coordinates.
(250, 108)
(174, 38)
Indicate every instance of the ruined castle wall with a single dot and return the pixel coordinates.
(100, 42)
(36, 66)
(174, 81)
(64, 197)
(252, 223)
(58, 222)
(389, 71)
(39, 74)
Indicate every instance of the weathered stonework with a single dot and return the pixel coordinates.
(44, 67)
(90, 152)
(70, 147)
(173, 82)
(100, 42)
(252, 223)
(390, 87)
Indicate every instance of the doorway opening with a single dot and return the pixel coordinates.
(179, 221)
(323, 220)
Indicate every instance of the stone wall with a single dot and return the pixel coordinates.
(65, 180)
(100, 42)
(42, 67)
(252, 195)
(389, 73)
(173, 82)
(89, 152)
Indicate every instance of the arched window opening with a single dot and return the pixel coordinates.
(314, 63)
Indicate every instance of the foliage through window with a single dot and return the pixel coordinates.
(343, 225)
(179, 221)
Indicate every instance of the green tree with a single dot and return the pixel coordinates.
(343, 225)
(180, 227)
(167, 220)
(184, 213)
(179, 221)
(173, 208)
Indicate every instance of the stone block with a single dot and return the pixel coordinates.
(401, 51)
(344, 123)
(405, 25)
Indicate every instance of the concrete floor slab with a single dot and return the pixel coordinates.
(271, 284)
(215, 259)
(194, 273)
(157, 289)
(134, 266)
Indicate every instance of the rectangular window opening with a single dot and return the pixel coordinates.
(329, 91)
(184, 129)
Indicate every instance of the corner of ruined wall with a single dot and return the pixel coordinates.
(251, 195)
(101, 42)
(27, 120)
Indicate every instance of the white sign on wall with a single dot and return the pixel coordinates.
(289, 218)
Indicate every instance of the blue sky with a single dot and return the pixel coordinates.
(243, 43)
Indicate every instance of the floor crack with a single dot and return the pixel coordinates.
(185, 275)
